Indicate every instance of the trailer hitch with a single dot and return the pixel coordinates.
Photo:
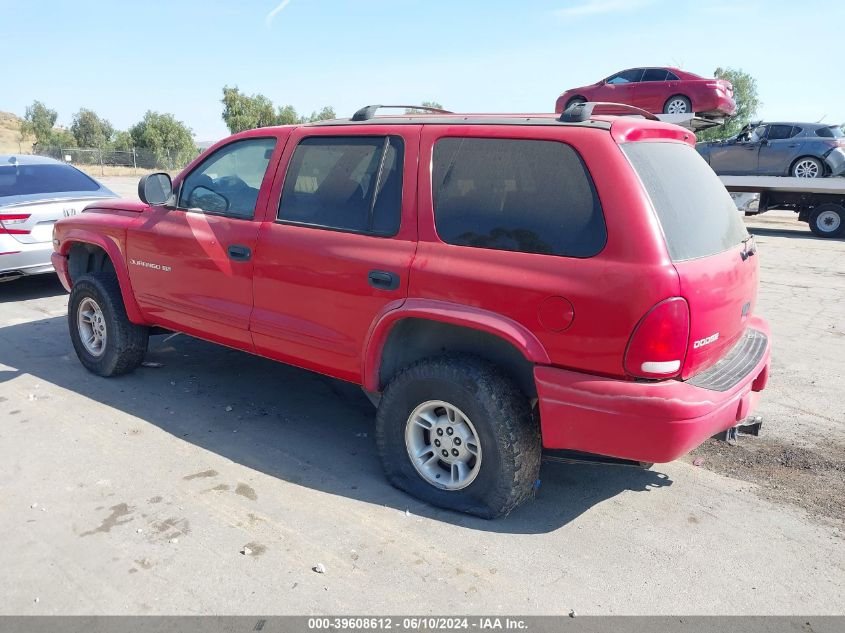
(749, 426)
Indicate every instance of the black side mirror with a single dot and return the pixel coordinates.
(155, 189)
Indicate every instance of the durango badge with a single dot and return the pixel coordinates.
(143, 264)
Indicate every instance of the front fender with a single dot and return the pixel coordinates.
(113, 246)
(454, 314)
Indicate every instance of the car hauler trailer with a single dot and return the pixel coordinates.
(818, 201)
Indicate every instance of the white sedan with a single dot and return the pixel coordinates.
(35, 192)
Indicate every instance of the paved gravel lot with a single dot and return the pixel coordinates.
(138, 495)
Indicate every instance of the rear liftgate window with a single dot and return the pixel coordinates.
(516, 195)
(698, 216)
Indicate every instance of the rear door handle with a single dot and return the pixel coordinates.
(383, 280)
(239, 253)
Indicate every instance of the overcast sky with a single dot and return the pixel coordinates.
(123, 57)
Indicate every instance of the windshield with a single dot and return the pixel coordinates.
(21, 180)
(697, 214)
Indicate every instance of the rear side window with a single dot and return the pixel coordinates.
(516, 195)
(20, 180)
(351, 183)
(697, 214)
(834, 131)
(655, 74)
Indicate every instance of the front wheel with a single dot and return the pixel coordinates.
(828, 220)
(106, 341)
(456, 432)
(808, 167)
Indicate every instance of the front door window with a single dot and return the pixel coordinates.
(228, 181)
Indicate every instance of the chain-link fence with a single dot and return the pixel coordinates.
(136, 159)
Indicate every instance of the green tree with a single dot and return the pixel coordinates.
(38, 122)
(122, 141)
(62, 137)
(90, 130)
(287, 116)
(170, 140)
(244, 112)
(324, 114)
(747, 104)
(427, 104)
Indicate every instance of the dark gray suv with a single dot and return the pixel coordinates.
(803, 150)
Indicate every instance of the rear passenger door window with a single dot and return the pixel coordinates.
(531, 196)
(779, 132)
(351, 183)
(654, 74)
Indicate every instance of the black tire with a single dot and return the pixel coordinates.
(800, 167)
(828, 220)
(678, 99)
(508, 433)
(125, 344)
(573, 101)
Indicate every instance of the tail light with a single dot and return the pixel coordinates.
(658, 345)
(8, 222)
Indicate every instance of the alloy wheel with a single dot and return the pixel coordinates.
(677, 106)
(806, 169)
(443, 445)
(91, 324)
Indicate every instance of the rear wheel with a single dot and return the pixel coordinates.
(828, 220)
(678, 104)
(456, 432)
(106, 341)
(808, 167)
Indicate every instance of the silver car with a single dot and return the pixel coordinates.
(801, 150)
(35, 192)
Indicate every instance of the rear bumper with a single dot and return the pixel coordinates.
(715, 105)
(835, 160)
(17, 258)
(648, 422)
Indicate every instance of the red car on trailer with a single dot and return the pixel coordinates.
(659, 91)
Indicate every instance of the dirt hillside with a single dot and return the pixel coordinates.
(10, 135)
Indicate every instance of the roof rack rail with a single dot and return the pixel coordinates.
(579, 112)
(368, 112)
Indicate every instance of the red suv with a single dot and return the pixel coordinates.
(498, 284)
(658, 90)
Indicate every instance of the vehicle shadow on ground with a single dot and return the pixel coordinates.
(35, 287)
(289, 423)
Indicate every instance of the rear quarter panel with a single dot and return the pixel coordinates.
(609, 292)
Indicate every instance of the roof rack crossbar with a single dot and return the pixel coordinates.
(368, 112)
(580, 112)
